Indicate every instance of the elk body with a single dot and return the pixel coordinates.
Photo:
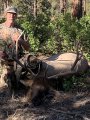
(58, 65)
(64, 63)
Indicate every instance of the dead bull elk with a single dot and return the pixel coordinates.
(58, 65)
(46, 72)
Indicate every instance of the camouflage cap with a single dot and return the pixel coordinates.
(11, 10)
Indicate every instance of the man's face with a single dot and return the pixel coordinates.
(11, 16)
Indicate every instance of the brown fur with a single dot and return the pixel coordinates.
(41, 90)
(38, 91)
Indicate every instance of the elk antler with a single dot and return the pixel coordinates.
(78, 57)
(62, 75)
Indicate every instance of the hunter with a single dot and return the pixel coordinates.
(11, 35)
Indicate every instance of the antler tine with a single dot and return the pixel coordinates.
(59, 75)
(78, 57)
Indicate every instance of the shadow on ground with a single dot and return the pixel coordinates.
(64, 106)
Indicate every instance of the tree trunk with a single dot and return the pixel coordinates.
(77, 8)
(84, 7)
(62, 6)
(80, 9)
(35, 9)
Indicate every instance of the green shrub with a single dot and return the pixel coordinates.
(59, 35)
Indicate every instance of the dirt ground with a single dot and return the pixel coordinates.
(73, 105)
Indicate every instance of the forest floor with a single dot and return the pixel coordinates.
(73, 105)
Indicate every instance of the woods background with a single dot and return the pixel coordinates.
(53, 25)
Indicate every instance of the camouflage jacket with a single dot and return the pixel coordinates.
(6, 38)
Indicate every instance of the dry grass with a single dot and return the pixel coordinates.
(64, 106)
